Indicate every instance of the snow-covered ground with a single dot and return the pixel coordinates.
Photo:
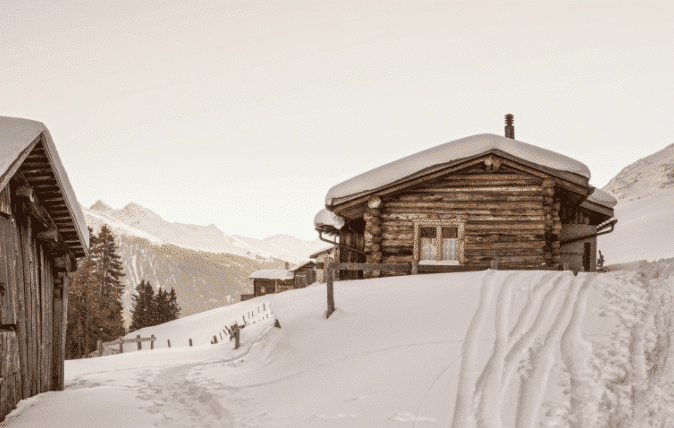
(644, 230)
(493, 349)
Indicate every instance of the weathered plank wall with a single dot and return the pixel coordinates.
(271, 286)
(31, 325)
(509, 216)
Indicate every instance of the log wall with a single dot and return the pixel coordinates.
(508, 216)
(32, 308)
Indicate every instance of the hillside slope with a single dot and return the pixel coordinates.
(500, 349)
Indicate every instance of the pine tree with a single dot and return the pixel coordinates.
(162, 308)
(174, 309)
(109, 271)
(143, 310)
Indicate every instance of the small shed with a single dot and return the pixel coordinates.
(466, 203)
(42, 234)
(270, 281)
(305, 274)
(321, 257)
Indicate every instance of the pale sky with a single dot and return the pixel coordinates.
(244, 113)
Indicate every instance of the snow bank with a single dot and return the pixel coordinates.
(503, 349)
(328, 218)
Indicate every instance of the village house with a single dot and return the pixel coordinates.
(271, 281)
(42, 234)
(304, 274)
(465, 204)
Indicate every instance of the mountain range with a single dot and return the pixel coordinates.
(207, 267)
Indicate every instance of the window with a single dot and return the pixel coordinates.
(438, 243)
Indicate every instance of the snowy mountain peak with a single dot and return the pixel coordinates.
(133, 210)
(100, 206)
(644, 177)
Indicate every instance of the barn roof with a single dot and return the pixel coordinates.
(27, 147)
(272, 274)
(323, 251)
(446, 154)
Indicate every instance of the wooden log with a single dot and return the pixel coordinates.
(397, 243)
(374, 230)
(466, 205)
(471, 197)
(487, 189)
(502, 252)
(408, 236)
(438, 216)
(373, 212)
(374, 202)
(487, 177)
(505, 245)
(548, 182)
(503, 237)
(504, 259)
(466, 212)
(502, 228)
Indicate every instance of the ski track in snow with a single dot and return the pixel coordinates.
(479, 401)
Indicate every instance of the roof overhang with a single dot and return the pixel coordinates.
(29, 150)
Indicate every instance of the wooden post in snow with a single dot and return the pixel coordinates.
(99, 347)
(331, 296)
(140, 346)
(152, 341)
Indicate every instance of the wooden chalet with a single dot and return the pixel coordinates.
(271, 281)
(466, 203)
(42, 234)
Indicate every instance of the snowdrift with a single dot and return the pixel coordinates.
(493, 349)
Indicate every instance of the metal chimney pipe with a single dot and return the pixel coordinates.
(509, 128)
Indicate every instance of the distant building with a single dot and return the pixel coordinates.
(271, 281)
(304, 274)
(321, 257)
(42, 234)
(469, 202)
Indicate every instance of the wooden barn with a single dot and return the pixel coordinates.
(321, 257)
(466, 203)
(304, 274)
(270, 281)
(42, 234)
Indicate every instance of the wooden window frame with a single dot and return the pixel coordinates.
(439, 224)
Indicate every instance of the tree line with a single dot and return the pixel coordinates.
(95, 299)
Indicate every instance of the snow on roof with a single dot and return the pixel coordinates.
(328, 218)
(323, 251)
(16, 136)
(272, 274)
(448, 152)
(602, 198)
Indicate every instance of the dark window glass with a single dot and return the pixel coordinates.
(450, 232)
(428, 232)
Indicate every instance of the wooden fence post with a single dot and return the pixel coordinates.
(190, 342)
(152, 341)
(215, 339)
(237, 333)
(415, 268)
(493, 265)
(330, 288)
(140, 346)
(169, 342)
(99, 347)
(121, 345)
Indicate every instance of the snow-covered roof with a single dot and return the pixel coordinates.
(453, 151)
(328, 218)
(602, 198)
(18, 138)
(272, 274)
(323, 251)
